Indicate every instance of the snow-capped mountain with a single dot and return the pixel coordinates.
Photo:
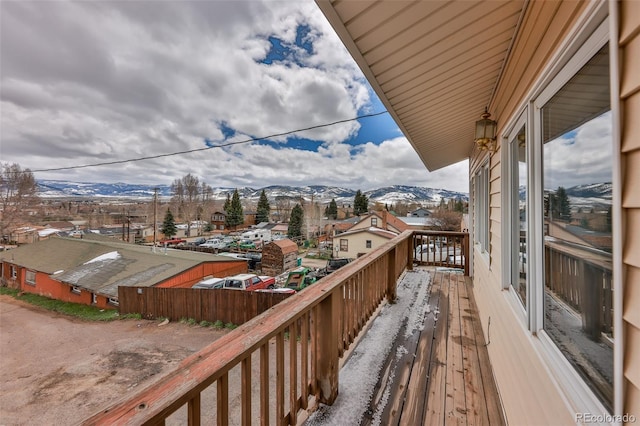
(319, 193)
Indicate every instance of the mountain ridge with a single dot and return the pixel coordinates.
(320, 193)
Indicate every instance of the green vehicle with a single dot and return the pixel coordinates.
(300, 278)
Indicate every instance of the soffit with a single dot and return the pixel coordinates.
(434, 64)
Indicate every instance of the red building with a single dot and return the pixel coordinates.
(90, 271)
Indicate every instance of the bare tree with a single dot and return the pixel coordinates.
(283, 207)
(18, 191)
(446, 220)
(186, 198)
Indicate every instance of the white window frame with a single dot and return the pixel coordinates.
(481, 220)
(590, 36)
(30, 277)
(508, 200)
(14, 272)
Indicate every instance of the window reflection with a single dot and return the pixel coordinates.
(577, 224)
(519, 190)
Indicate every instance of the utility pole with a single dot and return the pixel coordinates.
(155, 216)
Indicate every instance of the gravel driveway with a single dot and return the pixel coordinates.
(60, 370)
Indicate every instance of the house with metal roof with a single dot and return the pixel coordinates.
(89, 271)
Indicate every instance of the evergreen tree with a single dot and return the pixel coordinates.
(295, 222)
(235, 215)
(168, 227)
(332, 210)
(564, 207)
(263, 212)
(227, 203)
(360, 204)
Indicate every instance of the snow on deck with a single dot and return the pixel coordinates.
(360, 374)
(423, 360)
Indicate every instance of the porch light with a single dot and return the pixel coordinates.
(486, 133)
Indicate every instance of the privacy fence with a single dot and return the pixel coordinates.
(228, 306)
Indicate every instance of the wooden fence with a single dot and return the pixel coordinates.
(228, 306)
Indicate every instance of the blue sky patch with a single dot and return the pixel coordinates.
(282, 51)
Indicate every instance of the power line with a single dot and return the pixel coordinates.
(150, 157)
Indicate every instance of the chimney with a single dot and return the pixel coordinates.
(384, 219)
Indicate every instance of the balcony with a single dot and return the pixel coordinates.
(285, 365)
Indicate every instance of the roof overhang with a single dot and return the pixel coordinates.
(434, 64)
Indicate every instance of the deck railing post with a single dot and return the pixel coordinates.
(327, 347)
(410, 252)
(465, 249)
(391, 275)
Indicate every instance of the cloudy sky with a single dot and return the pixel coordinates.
(105, 81)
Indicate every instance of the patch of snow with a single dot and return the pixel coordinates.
(360, 374)
(58, 272)
(107, 256)
(47, 232)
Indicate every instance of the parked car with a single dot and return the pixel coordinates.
(300, 278)
(210, 283)
(172, 242)
(249, 282)
(214, 243)
(333, 265)
(243, 244)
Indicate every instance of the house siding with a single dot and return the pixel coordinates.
(357, 243)
(193, 275)
(629, 48)
(529, 394)
(53, 289)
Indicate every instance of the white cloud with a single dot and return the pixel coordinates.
(89, 82)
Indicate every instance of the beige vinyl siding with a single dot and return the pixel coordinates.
(630, 134)
(357, 243)
(527, 393)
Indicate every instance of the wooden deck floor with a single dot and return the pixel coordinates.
(444, 376)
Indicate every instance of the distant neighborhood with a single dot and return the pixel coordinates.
(83, 249)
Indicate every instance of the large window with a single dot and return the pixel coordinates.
(518, 190)
(576, 230)
(481, 208)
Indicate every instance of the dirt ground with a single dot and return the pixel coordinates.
(60, 370)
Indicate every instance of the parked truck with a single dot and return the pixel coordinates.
(249, 282)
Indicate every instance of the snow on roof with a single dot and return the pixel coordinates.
(48, 231)
(359, 376)
(107, 256)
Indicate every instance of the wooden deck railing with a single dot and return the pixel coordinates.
(583, 279)
(294, 349)
(442, 248)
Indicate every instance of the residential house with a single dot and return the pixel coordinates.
(421, 212)
(369, 232)
(217, 221)
(560, 85)
(89, 271)
(27, 234)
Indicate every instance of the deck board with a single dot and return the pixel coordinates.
(448, 378)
